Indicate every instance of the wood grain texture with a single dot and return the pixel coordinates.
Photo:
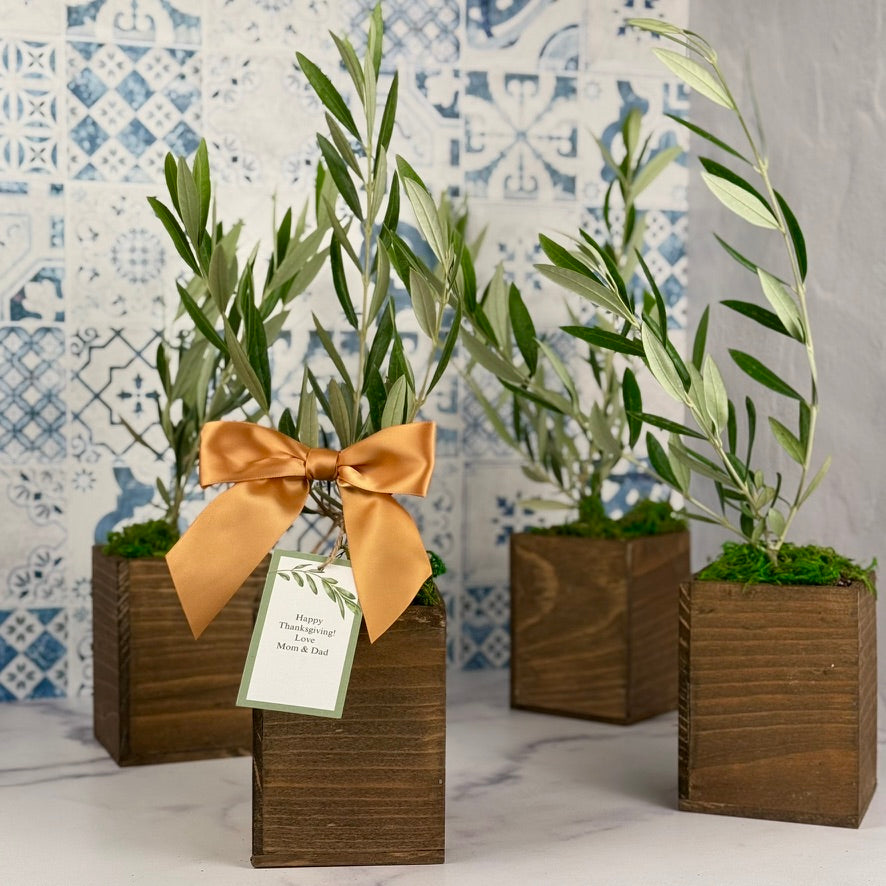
(594, 625)
(778, 701)
(160, 695)
(368, 788)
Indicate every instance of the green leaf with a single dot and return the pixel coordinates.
(340, 283)
(423, 304)
(343, 146)
(189, 199)
(341, 234)
(374, 42)
(699, 463)
(667, 424)
(695, 76)
(633, 406)
(586, 287)
(298, 254)
(783, 304)
(425, 215)
(776, 522)
(170, 169)
(393, 413)
(243, 368)
(524, 329)
(176, 234)
(339, 172)
(796, 233)
(448, 347)
(658, 458)
(202, 180)
(787, 440)
(218, 280)
(681, 470)
(751, 411)
(351, 62)
(751, 266)
(562, 257)
(757, 371)
(732, 427)
(490, 360)
(332, 351)
(716, 399)
(655, 167)
(559, 369)
(707, 135)
(655, 26)
(286, 425)
(339, 413)
(257, 347)
(659, 362)
(386, 128)
(754, 312)
(328, 94)
(603, 338)
(816, 480)
(601, 433)
(740, 202)
(545, 504)
(201, 321)
(701, 335)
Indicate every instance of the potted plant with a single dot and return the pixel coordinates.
(158, 697)
(377, 774)
(593, 600)
(777, 640)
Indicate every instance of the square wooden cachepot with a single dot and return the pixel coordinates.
(594, 624)
(778, 701)
(368, 788)
(160, 695)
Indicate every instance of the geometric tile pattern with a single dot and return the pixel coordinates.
(33, 645)
(127, 106)
(497, 103)
(30, 95)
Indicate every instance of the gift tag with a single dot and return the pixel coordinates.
(305, 634)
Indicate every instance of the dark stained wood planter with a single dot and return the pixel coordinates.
(778, 701)
(594, 625)
(160, 695)
(368, 788)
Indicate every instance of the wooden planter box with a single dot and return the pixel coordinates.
(594, 625)
(160, 695)
(778, 701)
(368, 788)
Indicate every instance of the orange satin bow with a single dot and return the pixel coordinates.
(272, 474)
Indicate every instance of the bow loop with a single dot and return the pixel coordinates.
(272, 476)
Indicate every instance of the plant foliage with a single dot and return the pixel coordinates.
(758, 508)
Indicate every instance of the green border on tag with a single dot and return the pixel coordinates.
(270, 581)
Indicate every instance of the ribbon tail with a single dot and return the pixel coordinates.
(388, 556)
(228, 540)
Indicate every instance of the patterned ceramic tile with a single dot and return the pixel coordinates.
(33, 544)
(528, 34)
(272, 24)
(32, 16)
(664, 251)
(521, 136)
(120, 260)
(30, 108)
(610, 43)
(113, 380)
(32, 240)
(485, 626)
(138, 21)
(33, 663)
(127, 106)
(414, 29)
(249, 140)
(32, 394)
(605, 102)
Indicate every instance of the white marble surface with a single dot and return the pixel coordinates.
(532, 799)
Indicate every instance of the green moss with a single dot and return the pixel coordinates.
(428, 594)
(797, 565)
(151, 539)
(645, 518)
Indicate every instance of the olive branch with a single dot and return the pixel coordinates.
(313, 578)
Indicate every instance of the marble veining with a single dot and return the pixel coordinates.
(547, 799)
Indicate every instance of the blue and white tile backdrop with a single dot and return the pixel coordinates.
(499, 100)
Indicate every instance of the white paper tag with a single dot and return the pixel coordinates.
(304, 637)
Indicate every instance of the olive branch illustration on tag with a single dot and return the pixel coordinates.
(311, 577)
